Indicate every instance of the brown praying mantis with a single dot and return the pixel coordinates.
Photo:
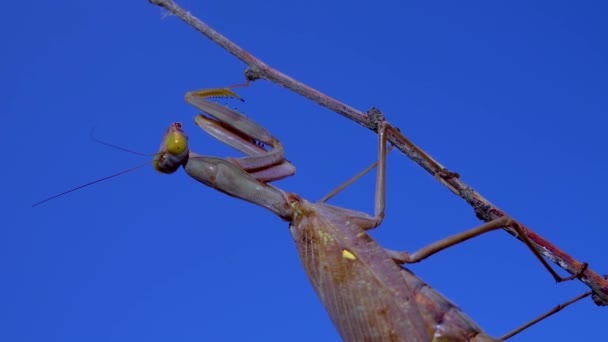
(368, 294)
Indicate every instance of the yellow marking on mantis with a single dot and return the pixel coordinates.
(361, 234)
(213, 92)
(346, 254)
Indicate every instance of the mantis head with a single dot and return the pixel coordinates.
(173, 151)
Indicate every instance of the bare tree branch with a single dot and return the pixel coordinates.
(483, 208)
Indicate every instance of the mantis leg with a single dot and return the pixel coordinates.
(243, 134)
(554, 310)
(353, 179)
(371, 222)
(503, 222)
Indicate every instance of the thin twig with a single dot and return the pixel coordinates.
(484, 209)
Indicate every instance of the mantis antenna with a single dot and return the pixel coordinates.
(95, 139)
(91, 183)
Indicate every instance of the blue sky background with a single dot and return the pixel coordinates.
(512, 95)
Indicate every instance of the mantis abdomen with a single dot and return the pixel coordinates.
(368, 296)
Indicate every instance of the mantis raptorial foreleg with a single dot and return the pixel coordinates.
(234, 129)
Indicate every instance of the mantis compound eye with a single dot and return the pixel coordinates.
(176, 143)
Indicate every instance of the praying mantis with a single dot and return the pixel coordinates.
(368, 295)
